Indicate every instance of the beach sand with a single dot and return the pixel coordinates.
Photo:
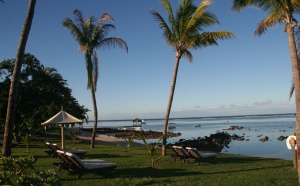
(86, 136)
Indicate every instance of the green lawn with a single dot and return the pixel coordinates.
(134, 168)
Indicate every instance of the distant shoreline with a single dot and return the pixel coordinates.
(205, 117)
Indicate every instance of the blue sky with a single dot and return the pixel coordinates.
(244, 75)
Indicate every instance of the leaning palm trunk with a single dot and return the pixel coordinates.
(95, 117)
(296, 78)
(13, 91)
(166, 122)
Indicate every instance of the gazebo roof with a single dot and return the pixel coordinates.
(137, 120)
(62, 118)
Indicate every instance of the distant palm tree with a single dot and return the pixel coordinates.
(91, 36)
(184, 33)
(13, 91)
(280, 11)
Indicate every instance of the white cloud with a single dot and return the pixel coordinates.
(263, 103)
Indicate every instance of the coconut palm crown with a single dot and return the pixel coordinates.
(91, 34)
(184, 32)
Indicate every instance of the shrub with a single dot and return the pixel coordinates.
(152, 149)
(21, 171)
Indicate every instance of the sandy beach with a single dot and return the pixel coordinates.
(85, 136)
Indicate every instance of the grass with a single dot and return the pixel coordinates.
(134, 167)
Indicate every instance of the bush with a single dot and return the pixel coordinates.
(21, 171)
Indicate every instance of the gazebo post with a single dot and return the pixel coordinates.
(62, 137)
(62, 118)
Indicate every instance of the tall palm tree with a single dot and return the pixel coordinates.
(297, 35)
(280, 11)
(91, 36)
(13, 91)
(184, 32)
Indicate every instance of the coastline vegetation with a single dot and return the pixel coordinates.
(134, 167)
(37, 81)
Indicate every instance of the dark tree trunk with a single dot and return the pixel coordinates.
(296, 78)
(166, 122)
(95, 117)
(13, 91)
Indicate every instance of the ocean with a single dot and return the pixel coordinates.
(254, 128)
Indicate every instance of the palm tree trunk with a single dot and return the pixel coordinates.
(296, 78)
(13, 91)
(95, 116)
(166, 122)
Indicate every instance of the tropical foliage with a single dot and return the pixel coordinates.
(152, 149)
(91, 35)
(21, 171)
(42, 91)
(129, 141)
(185, 32)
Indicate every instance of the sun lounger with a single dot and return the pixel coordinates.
(66, 164)
(199, 155)
(51, 151)
(79, 153)
(181, 153)
(82, 167)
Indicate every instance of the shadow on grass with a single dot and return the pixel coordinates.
(241, 159)
(130, 173)
(102, 156)
(247, 170)
(153, 173)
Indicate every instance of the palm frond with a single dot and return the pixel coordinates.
(167, 5)
(291, 90)
(75, 31)
(104, 18)
(198, 15)
(105, 29)
(238, 5)
(269, 22)
(296, 6)
(186, 54)
(113, 42)
(210, 38)
(167, 32)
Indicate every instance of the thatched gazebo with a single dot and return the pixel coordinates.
(137, 122)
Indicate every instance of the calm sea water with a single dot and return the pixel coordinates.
(255, 127)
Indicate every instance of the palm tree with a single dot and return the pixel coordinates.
(297, 34)
(13, 91)
(91, 36)
(280, 11)
(185, 32)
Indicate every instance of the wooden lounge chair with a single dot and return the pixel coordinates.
(51, 151)
(181, 153)
(79, 153)
(201, 156)
(67, 165)
(82, 167)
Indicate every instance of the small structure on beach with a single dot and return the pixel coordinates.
(137, 122)
(62, 118)
(136, 125)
